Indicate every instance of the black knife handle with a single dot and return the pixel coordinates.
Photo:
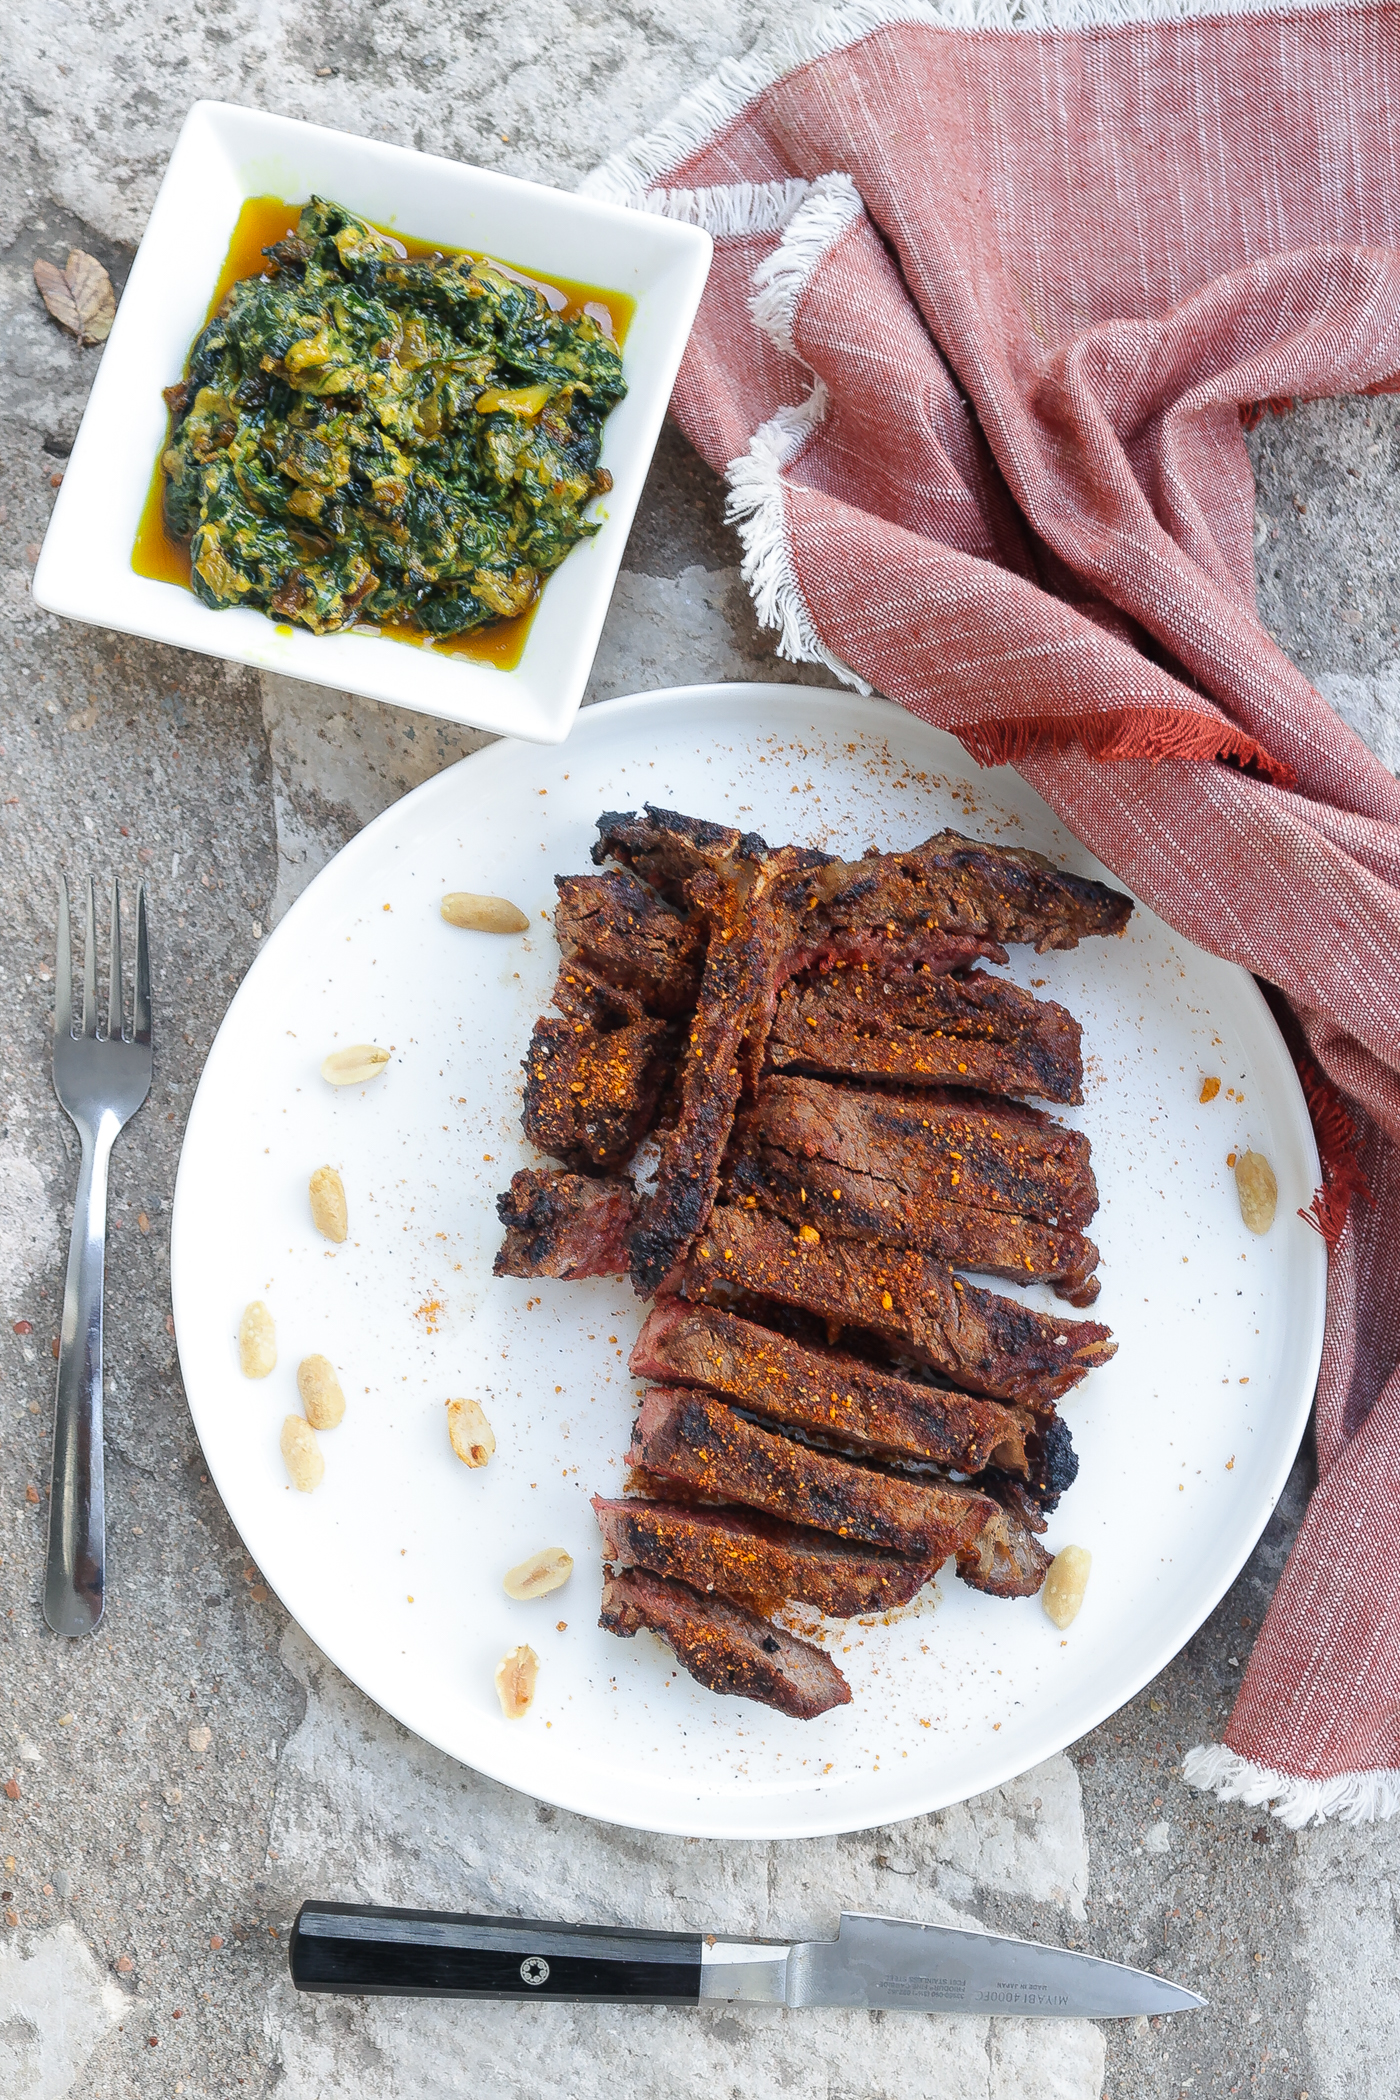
(355, 1949)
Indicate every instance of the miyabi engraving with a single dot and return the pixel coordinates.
(1018, 1994)
(534, 1969)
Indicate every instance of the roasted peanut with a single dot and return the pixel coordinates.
(257, 1341)
(328, 1212)
(320, 1392)
(354, 1066)
(543, 1571)
(1065, 1584)
(515, 1681)
(483, 914)
(1257, 1186)
(471, 1434)
(302, 1454)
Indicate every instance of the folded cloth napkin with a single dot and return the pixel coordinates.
(996, 284)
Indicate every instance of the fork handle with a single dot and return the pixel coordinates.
(75, 1581)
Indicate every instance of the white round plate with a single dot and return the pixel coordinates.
(393, 1566)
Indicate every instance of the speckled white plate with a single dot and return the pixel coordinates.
(394, 1565)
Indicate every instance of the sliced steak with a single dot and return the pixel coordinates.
(889, 906)
(911, 1304)
(1007, 1560)
(927, 1028)
(767, 912)
(990, 1186)
(669, 849)
(591, 1098)
(564, 1225)
(620, 929)
(756, 1559)
(725, 1647)
(956, 885)
(826, 1392)
(725, 1042)
(693, 1438)
(946, 1144)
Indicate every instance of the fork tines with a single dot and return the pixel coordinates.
(140, 1030)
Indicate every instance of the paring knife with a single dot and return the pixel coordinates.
(884, 1963)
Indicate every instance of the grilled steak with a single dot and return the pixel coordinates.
(887, 903)
(591, 1098)
(772, 971)
(990, 1186)
(564, 1225)
(910, 1303)
(725, 1647)
(924, 1027)
(957, 885)
(693, 1438)
(769, 912)
(1007, 1559)
(618, 928)
(726, 1038)
(955, 1146)
(670, 849)
(826, 1392)
(756, 1559)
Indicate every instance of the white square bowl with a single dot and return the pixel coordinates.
(224, 155)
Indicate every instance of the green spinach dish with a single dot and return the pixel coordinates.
(364, 438)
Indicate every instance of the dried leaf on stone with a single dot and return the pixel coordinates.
(80, 297)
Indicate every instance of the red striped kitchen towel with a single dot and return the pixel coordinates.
(996, 283)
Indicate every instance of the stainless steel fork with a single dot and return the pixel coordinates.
(100, 1080)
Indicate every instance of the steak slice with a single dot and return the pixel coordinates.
(724, 1646)
(695, 1439)
(756, 1559)
(957, 885)
(827, 1393)
(670, 849)
(590, 1098)
(923, 1028)
(1007, 1560)
(910, 1303)
(951, 1145)
(620, 929)
(726, 1037)
(564, 1225)
(903, 906)
(990, 1186)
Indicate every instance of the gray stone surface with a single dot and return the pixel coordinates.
(178, 1783)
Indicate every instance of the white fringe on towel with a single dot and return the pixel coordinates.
(737, 210)
(755, 503)
(832, 203)
(1354, 1797)
(755, 506)
(625, 177)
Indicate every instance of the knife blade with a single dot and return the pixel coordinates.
(885, 1964)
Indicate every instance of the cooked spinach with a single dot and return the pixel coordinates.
(361, 437)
